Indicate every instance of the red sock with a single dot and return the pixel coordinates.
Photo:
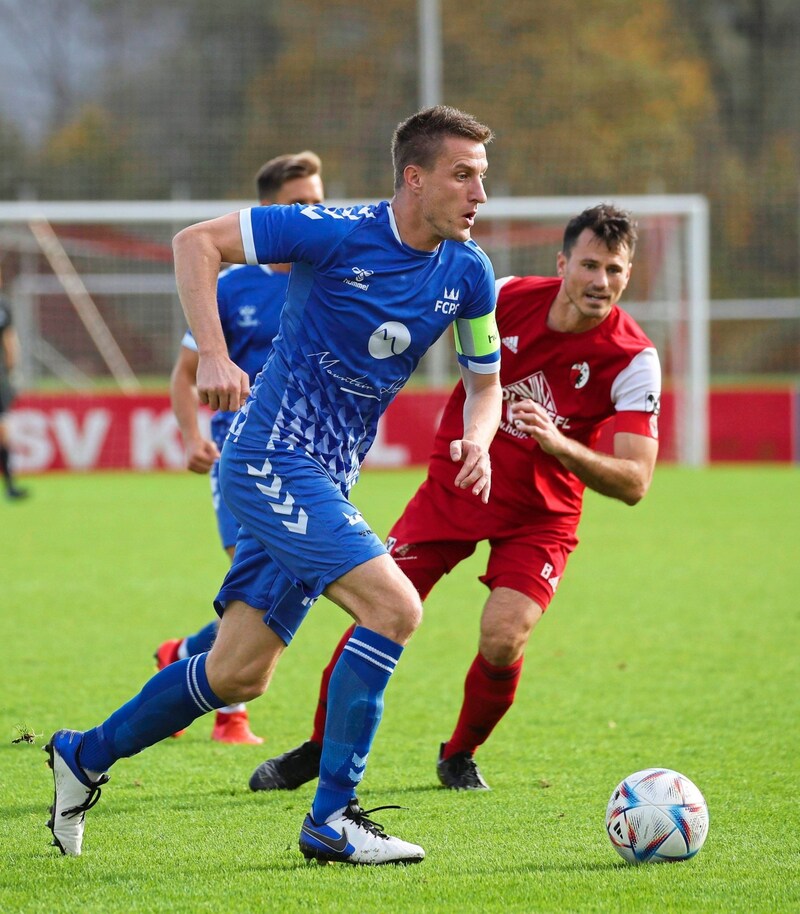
(488, 693)
(322, 702)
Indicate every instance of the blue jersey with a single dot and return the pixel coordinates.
(362, 308)
(250, 299)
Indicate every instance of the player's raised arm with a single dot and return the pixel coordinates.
(625, 475)
(199, 251)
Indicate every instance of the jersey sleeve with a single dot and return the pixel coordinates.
(287, 234)
(636, 394)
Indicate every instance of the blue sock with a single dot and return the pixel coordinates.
(170, 701)
(200, 642)
(355, 705)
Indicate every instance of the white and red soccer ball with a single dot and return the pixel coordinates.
(656, 815)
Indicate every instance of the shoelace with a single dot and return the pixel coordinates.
(92, 798)
(466, 766)
(360, 817)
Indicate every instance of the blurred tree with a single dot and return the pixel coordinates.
(593, 97)
(51, 56)
(752, 176)
(188, 98)
(344, 76)
(85, 159)
(184, 89)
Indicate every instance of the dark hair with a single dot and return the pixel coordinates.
(615, 227)
(274, 174)
(417, 140)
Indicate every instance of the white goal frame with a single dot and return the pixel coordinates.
(691, 385)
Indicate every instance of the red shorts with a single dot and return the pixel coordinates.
(439, 528)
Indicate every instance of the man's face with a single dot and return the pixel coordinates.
(300, 190)
(451, 191)
(594, 277)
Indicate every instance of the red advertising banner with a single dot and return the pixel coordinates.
(114, 431)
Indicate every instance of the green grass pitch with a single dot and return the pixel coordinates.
(673, 641)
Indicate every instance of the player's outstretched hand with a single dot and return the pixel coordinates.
(533, 419)
(476, 468)
(201, 455)
(221, 384)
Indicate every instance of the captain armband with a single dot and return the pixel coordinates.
(478, 343)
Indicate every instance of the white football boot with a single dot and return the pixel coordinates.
(354, 838)
(75, 791)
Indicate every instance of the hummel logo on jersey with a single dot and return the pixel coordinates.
(360, 276)
(511, 342)
(247, 316)
(353, 519)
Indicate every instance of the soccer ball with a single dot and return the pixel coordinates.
(656, 815)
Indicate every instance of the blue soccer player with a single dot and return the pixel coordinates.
(249, 299)
(372, 287)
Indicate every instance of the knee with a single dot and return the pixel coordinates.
(398, 622)
(502, 647)
(234, 684)
(409, 619)
(500, 654)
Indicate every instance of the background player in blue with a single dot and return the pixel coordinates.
(249, 300)
(372, 287)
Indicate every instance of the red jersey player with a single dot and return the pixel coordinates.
(572, 360)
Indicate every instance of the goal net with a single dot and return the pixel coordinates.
(95, 306)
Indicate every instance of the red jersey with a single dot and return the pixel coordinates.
(582, 380)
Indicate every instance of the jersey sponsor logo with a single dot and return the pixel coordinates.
(247, 316)
(360, 276)
(353, 519)
(360, 386)
(536, 388)
(391, 338)
(512, 343)
(579, 375)
(448, 303)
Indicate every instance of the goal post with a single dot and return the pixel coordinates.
(105, 310)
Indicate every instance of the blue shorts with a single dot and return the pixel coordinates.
(227, 525)
(299, 533)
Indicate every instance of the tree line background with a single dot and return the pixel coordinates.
(108, 99)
